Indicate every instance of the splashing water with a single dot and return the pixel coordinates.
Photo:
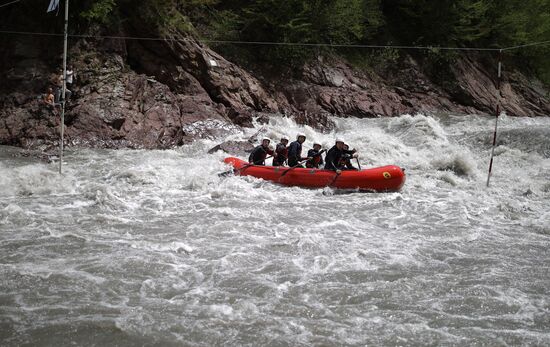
(153, 248)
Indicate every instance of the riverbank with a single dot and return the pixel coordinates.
(162, 94)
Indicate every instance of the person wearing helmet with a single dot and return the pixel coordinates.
(316, 157)
(281, 153)
(335, 154)
(258, 154)
(295, 151)
(345, 162)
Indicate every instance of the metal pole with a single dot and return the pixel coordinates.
(62, 124)
(497, 113)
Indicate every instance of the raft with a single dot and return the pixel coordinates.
(381, 179)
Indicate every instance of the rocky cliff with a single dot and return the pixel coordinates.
(159, 94)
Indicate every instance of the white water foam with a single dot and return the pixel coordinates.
(153, 246)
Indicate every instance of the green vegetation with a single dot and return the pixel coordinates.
(472, 23)
(99, 11)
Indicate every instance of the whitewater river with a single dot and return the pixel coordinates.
(152, 248)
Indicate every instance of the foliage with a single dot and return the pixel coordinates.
(380, 60)
(480, 23)
(522, 22)
(442, 22)
(99, 11)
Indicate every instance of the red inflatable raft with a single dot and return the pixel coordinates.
(381, 179)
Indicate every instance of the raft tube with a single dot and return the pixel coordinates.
(381, 179)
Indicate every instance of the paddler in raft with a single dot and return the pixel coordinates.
(281, 153)
(258, 154)
(345, 163)
(333, 160)
(295, 151)
(316, 157)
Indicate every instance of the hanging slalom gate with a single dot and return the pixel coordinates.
(497, 114)
(64, 93)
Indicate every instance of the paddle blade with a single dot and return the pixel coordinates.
(226, 173)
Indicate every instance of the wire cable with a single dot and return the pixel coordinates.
(266, 43)
(9, 3)
(272, 43)
(542, 43)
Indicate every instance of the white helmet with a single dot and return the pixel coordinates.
(300, 135)
(266, 139)
(339, 140)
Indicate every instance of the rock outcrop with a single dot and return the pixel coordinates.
(335, 87)
(113, 106)
(518, 96)
(160, 94)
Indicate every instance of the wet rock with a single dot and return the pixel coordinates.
(518, 95)
(160, 94)
(240, 148)
(262, 118)
(187, 63)
(321, 121)
(46, 156)
(240, 117)
(116, 108)
(335, 87)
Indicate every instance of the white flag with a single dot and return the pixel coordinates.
(53, 5)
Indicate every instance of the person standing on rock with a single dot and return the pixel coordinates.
(295, 151)
(49, 98)
(58, 82)
(281, 153)
(316, 157)
(70, 78)
(258, 154)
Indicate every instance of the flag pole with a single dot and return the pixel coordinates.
(64, 90)
(497, 113)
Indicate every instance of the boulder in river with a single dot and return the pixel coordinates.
(233, 147)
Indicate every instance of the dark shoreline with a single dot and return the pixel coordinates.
(159, 95)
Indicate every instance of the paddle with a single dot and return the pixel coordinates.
(318, 154)
(358, 165)
(300, 161)
(227, 173)
(338, 172)
(295, 166)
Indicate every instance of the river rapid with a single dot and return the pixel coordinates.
(152, 248)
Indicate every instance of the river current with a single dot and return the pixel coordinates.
(152, 248)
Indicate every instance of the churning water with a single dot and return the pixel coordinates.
(153, 248)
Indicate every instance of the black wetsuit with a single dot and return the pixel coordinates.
(281, 155)
(258, 154)
(294, 153)
(345, 162)
(334, 157)
(317, 159)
